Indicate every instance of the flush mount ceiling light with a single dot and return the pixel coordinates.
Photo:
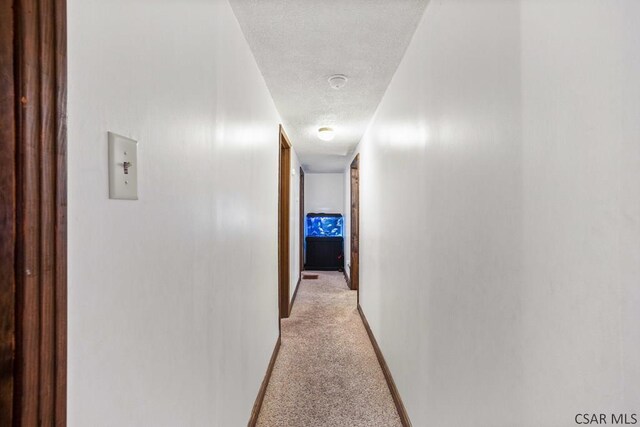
(337, 81)
(326, 133)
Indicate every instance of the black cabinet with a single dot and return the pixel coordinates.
(324, 253)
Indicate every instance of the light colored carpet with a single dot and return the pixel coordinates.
(326, 373)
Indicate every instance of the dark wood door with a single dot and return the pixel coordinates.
(354, 272)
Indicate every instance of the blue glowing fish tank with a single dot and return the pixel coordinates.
(324, 225)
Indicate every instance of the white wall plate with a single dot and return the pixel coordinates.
(123, 167)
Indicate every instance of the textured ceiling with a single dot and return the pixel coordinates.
(298, 44)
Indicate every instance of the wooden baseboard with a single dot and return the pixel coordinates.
(402, 412)
(263, 387)
(295, 293)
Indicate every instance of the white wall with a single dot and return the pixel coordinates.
(500, 213)
(172, 298)
(324, 193)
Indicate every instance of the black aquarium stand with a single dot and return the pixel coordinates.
(324, 253)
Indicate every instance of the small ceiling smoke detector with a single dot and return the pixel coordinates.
(337, 81)
(326, 133)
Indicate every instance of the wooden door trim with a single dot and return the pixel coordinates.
(284, 213)
(36, 157)
(302, 223)
(354, 270)
(7, 212)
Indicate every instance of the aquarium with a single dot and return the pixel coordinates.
(324, 225)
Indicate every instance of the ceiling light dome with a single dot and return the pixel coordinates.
(326, 133)
(337, 81)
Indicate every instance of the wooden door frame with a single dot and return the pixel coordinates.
(33, 161)
(302, 224)
(354, 269)
(7, 213)
(284, 213)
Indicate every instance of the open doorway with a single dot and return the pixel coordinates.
(354, 269)
(284, 196)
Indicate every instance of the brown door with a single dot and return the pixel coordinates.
(354, 273)
(284, 197)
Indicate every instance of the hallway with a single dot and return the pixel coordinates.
(170, 169)
(326, 372)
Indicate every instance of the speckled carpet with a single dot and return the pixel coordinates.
(326, 373)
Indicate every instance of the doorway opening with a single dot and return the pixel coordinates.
(354, 265)
(284, 195)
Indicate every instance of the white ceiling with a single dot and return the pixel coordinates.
(298, 44)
